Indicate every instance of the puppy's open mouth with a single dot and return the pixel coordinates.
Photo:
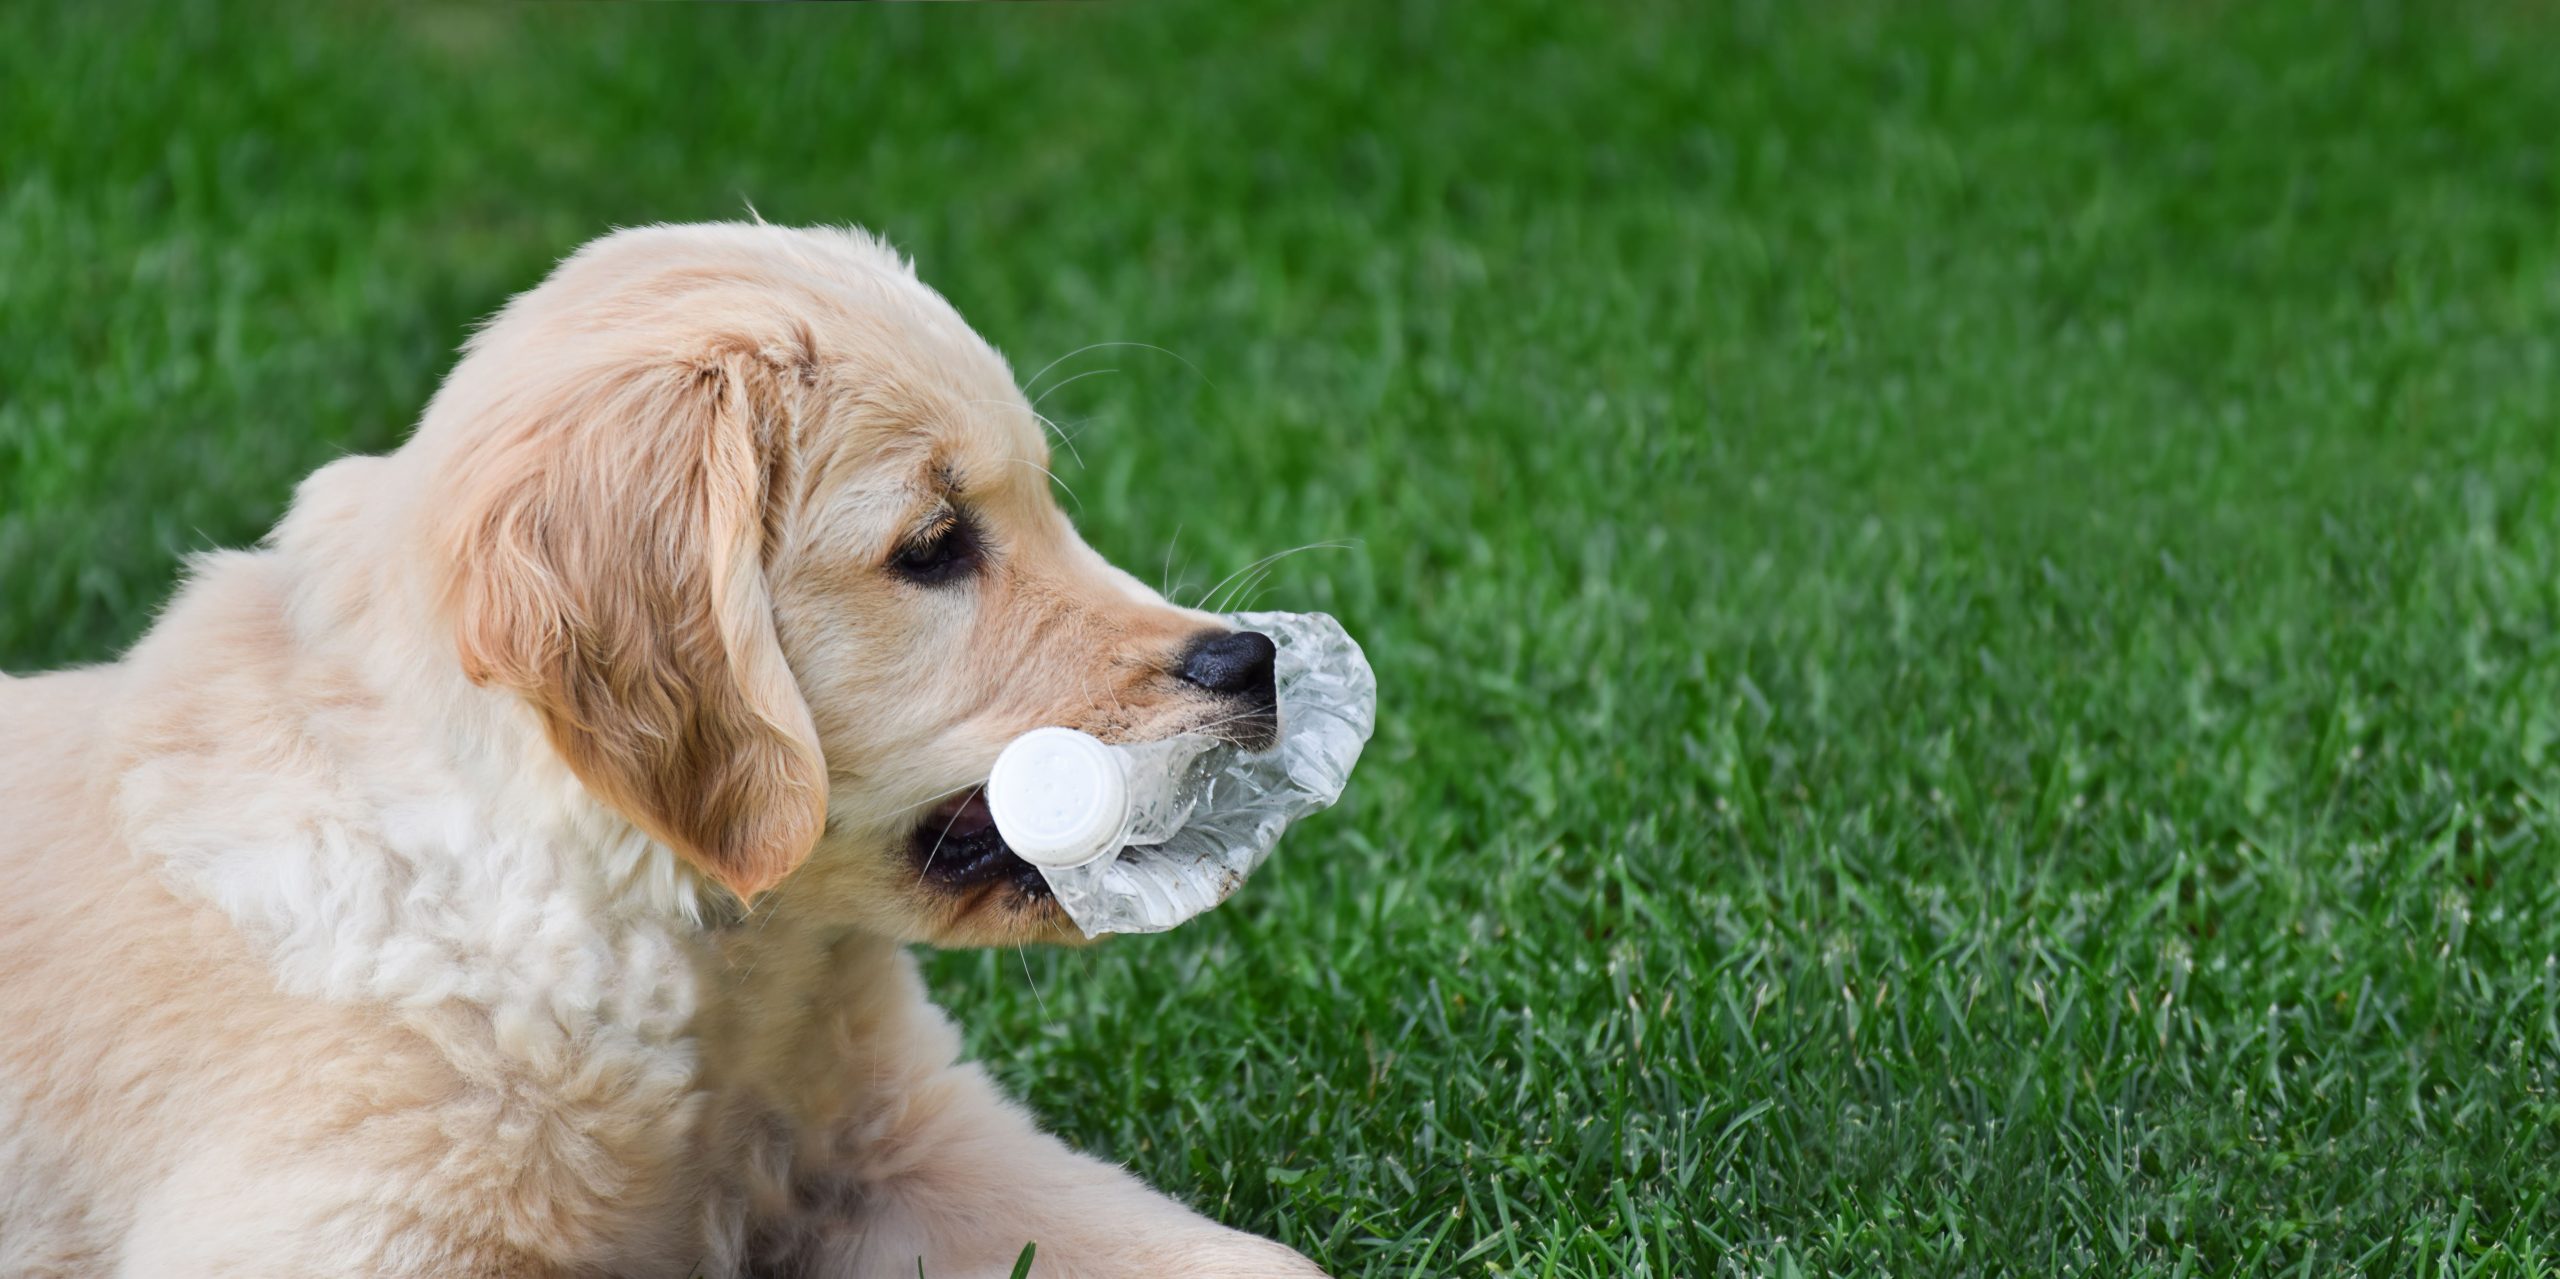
(958, 847)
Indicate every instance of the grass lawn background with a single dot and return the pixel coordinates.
(1968, 596)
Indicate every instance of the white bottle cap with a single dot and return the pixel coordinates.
(1060, 797)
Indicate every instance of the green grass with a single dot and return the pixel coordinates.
(1968, 597)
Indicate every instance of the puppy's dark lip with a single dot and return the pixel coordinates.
(958, 848)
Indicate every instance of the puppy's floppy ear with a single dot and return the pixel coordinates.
(607, 538)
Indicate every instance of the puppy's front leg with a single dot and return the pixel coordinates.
(965, 1180)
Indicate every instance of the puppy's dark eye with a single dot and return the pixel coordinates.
(943, 553)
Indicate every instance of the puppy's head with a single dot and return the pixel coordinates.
(763, 533)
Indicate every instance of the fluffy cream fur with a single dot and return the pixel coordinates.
(506, 870)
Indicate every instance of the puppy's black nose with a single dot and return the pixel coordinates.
(1237, 663)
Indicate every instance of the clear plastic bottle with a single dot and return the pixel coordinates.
(1140, 837)
(1064, 798)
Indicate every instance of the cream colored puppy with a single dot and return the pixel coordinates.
(507, 869)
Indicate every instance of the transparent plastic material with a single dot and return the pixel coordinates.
(1064, 798)
(1202, 814)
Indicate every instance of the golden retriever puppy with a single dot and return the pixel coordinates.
(506, 870)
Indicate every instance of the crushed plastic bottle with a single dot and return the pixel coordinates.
(1138, 838)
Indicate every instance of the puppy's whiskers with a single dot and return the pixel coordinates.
(1065, 439)
(1065, 382)
(1034, 982)
(1264, 565)
(1034, 379)
(1223, 721)
(929, 854)
(1164, 583)
(1053, 478)
(930, 801)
